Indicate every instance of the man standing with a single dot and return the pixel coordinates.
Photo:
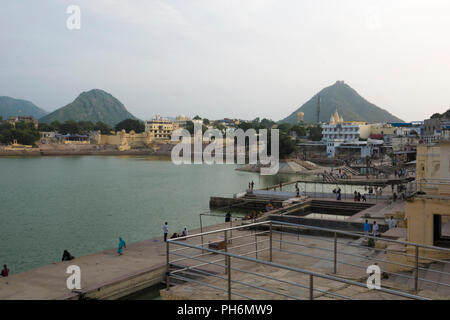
(391, 222)
(366, 227)
(374, 229)
(166, 231)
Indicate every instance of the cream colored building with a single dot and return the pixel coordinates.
(125, 141)
(428, 213)
(160, 128)
(382, 128)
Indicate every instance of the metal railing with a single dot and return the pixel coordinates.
(195, 261)
(433, 187)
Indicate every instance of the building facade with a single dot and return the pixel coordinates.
(338, 132)
(160, 128)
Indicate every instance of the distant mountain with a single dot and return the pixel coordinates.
(94, 105)
(445, 115)
(350, 105)
(10, 107)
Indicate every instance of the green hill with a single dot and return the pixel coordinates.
(445, 115)
(10, 107)
(94, 105)
(351, 106)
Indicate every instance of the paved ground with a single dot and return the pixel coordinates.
(98, 269)
(309, 253)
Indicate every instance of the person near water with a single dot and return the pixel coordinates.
(166, 231)
(5, 271)
(366, 227)
(184, 233)
(359, 196)
(355, 198)
(252, 184)
(67, 256)
(228, 217)
(338, 192)
(121, 246)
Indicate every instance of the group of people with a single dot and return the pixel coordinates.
(358, 197)
(371, 229)
(401, 173)
(253, 215)
(251, 185)
(183, 233)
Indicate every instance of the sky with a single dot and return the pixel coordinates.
(228, 58)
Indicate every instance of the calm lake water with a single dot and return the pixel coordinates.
(84, 203)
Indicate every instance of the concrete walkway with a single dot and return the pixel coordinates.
(98, 270)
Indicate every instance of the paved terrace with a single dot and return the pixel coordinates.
(311, 253)
(104, 274)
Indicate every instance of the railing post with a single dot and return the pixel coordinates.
(270, 241)
(256, 243)
(335, 253)
(229, 276)
(226, 250)
(231, 226)
(167, 266)
(281, 235)
(416, 280)
(311, 287)
(201, 231)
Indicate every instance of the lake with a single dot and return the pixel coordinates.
(84, 203)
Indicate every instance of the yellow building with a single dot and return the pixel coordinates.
(160, 128)
(382, 128)
(428, 212)
(125, 141)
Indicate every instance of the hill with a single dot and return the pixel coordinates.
(445, 115)
(349, 103)
(10, 107)
(94, 105)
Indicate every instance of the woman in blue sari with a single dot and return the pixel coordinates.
(121, 246)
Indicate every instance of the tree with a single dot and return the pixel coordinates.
(130, 124)
(197, 117)
(103, 127)
(299, 130)
(205, 121)
(315, 133)
(285, 127)
(69, 127)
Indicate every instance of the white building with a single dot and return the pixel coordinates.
(338, 131)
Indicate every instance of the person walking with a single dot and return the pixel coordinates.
(121, 246)
(166, 231)
(228, 217)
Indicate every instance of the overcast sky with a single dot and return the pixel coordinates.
(228, 58)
